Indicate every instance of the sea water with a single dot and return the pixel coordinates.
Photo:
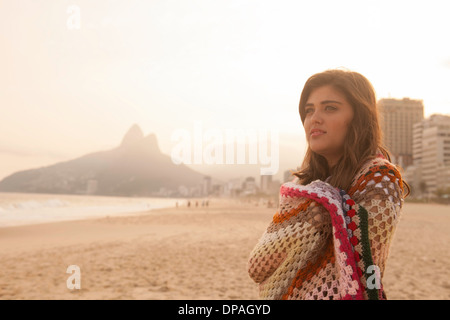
(31, 208)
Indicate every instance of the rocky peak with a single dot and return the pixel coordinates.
(133, 136)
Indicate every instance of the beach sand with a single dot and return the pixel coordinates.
(194, 253)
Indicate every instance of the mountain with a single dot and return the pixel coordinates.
(135, 168)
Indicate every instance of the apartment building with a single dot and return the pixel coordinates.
(397, 117)
(431, 155)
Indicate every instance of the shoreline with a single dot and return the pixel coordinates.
(43, 210)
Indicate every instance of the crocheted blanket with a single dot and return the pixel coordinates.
(325, 244)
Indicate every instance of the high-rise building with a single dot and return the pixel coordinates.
(397, 117)
(269, 186)
(431, 153)
(266, 181)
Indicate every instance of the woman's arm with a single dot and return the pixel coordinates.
(294, 225)
(379, 191)
(296, 243)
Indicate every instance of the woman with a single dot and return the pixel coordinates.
(330, 236)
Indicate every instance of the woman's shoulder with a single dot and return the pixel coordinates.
(375, 171)
(378, 163)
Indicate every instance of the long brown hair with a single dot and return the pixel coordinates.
(363, 140)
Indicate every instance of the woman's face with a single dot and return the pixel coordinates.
(327, 118)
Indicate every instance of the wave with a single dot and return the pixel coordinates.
(33, 204)
(23, 209)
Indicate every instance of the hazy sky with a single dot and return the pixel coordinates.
(67, 91)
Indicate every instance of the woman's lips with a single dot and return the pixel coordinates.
(316, 132)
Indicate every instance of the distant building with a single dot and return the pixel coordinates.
(249, 186)
(397, 118)
(164, 192)
(431, 158)
(269, 186)
(217, 190)
(232, 188)
(195, 191)
(206, 187)
(183, 191)
(275, 187)
(92, 187)
(288, 176)
(266, 181)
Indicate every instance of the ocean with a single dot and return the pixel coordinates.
(31, 208)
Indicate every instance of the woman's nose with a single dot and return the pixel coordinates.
(316, 117)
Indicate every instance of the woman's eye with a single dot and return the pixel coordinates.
(309, 110)
(330, 108)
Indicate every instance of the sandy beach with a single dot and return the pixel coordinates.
(194, 253)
